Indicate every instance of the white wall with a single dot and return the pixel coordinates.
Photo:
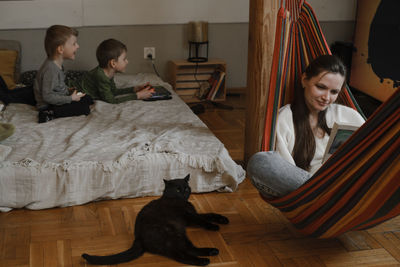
(334, 10)
(43, 13)
(40, 13)
(134, 12)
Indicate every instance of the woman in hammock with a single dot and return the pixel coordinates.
(303, 129)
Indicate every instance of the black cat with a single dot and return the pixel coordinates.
(160, 228)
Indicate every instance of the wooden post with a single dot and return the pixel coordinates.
(262, 23)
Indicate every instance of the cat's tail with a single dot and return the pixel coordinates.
(134, 252)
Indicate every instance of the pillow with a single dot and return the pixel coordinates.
(8, 60)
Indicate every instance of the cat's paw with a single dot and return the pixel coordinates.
(207, 252)
(203, 262)
(221, 219)
(212, 227)
(216, 218)
(213, 252)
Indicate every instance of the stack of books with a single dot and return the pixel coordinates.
(216, 82)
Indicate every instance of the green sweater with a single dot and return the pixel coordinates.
(96, 84)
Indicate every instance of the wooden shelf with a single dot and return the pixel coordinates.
(186, 77)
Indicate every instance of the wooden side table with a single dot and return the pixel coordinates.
(186, 78)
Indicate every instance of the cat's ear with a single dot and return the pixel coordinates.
(165, 181)
(187, 177)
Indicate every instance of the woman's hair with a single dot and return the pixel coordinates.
(57, 35)
(109, 49)
(304, 146)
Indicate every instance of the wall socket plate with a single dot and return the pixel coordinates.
(149, 51)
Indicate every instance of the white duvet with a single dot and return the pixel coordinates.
(119, 150)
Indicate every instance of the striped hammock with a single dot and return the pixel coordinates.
(359, 186)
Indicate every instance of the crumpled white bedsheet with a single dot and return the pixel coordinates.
(118, 151)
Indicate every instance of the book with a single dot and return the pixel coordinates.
(216, 85)
(213, 81)
(339, 134)
(219, 87)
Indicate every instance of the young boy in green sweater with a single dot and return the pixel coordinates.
(99, 82)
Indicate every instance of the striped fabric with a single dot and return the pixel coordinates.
(359, 186)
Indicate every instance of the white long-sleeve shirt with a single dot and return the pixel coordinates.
(285, 136)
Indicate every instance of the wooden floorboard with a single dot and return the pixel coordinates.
(258, 234)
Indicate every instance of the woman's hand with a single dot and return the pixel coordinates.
(76, 96)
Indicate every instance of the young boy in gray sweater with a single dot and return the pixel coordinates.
(54, 98)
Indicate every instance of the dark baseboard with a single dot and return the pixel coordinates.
(236, 91)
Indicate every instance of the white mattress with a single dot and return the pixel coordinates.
(118, 151)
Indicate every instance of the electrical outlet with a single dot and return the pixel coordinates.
(149, 51)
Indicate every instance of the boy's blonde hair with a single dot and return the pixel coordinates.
(57, 35)
(109, 49)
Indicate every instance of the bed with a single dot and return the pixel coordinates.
(118, 151)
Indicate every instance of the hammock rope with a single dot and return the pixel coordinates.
(359, 186)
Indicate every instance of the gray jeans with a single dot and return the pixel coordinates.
(273, 176)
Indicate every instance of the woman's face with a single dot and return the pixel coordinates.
(322, 90)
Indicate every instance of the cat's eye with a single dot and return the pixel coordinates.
(178, 190)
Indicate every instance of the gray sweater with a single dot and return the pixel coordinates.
(49, 86)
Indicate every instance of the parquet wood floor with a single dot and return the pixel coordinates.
(228, 124)
(258, 234)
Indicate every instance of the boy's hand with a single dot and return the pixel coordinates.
(145, 93)
(141, 87)
(76, 96)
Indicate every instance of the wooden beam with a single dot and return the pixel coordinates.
(262, 23)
